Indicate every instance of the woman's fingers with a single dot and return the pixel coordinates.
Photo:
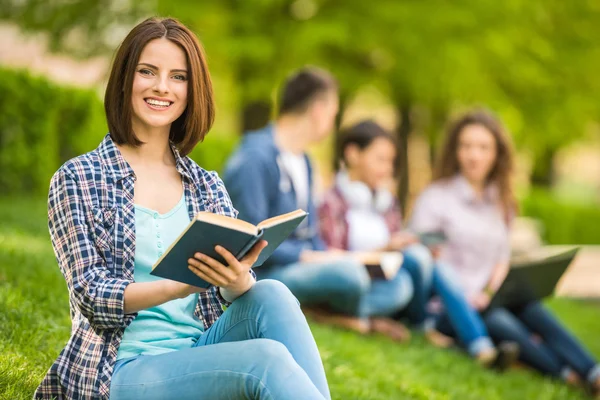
(207, 274)
(252, 256)
(204, 262)
(230, 259)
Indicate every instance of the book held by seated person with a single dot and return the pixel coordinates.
(380, 264)
(207, 230)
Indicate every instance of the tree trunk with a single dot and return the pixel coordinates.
(402, 132)
(337, 131)
(543, 173)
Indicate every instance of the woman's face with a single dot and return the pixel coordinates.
(160, 86)
(373, 165)
(477, 152)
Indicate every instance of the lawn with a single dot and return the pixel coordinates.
(34, 326)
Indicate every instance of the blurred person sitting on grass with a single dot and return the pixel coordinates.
(360, 213)
(271, 174)
(113, 212)
(472, 202)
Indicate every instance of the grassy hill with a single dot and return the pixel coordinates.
(34, 326)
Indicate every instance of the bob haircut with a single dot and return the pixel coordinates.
(192, 126)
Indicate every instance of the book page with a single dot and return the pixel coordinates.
(227, 222)
(267, 223)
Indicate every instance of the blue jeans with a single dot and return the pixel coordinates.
(418, 263)
(459, 318)
(344, 286)
(558, 352)
(260, 348)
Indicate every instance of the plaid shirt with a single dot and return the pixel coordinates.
(92, 226)
(334, 225)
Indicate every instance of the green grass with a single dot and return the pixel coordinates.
(34, 326)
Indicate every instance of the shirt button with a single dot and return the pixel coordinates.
(155, 215)
(158, 235)
(160, 253)
(159, 245)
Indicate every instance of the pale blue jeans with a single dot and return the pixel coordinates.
(260, 348)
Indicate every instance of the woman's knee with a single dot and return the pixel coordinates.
(271, 291)
(500, 320)
(404, 290)
(271, 356)
(351, 277)
(418, 257)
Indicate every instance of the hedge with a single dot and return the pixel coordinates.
(564, 222)
(43, 124)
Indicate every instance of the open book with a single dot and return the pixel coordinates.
(380, 264)
(208, 230)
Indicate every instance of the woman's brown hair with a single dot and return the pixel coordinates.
(501, 173)
(191, 127)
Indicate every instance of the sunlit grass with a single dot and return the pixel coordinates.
(34, 326)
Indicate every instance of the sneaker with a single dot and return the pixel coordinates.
(390, 328)
(508, 354)
(487, 357)
(338, 320)
(438, 339)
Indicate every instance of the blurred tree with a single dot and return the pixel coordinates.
(83, 28)
(533, 62)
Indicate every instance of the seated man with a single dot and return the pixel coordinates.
(271, 174)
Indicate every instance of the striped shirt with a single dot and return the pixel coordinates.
(91, 219)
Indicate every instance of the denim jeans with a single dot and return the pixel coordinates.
(344, 285)
(459, 318)
(418, 263)
(260, 348)
(558, 351)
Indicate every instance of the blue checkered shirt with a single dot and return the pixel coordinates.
(92, 227)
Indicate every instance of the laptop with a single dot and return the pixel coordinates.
(528, 281)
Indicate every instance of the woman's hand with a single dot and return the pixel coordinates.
(234, 278)
(401, 239)
(480, 301)
(316, 256)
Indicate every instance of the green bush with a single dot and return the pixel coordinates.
(564, 222)
(43, 124)
(213, 152)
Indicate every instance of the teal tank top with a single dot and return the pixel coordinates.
(170, 326)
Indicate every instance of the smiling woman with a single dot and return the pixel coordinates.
(113, 212)
(170, 75)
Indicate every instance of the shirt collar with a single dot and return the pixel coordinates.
(120, 168)
(466, 192)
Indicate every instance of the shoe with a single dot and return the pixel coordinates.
(390, 328)
(438, 339)
(594, 389)
(487, 357)
(572, 379)
(338, 320)
(508, 354)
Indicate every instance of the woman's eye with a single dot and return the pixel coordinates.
(180, 77)
(145, 72)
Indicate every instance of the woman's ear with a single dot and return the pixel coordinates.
(351, 155)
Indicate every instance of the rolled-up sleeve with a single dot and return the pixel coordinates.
(96, 294)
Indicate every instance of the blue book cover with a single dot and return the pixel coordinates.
(208, 230)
